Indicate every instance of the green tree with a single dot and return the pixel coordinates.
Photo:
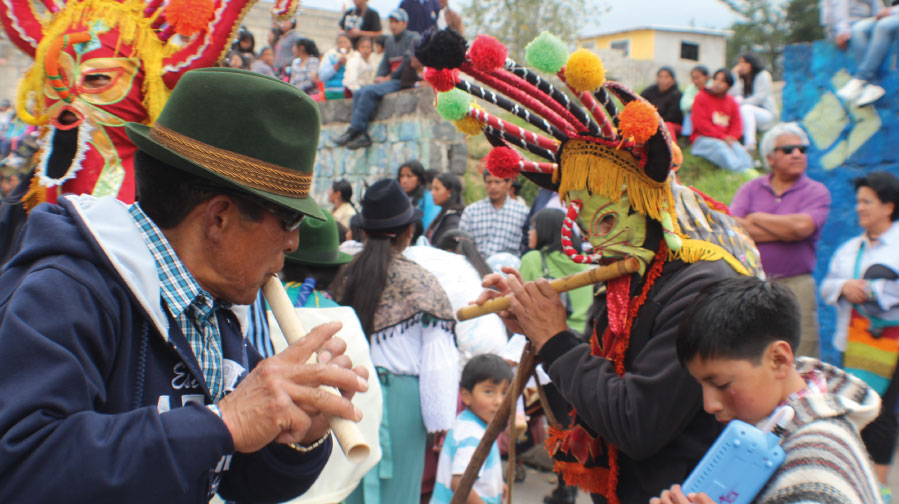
(517, 22)
(760, 30)
(804, 21)
(766, 26)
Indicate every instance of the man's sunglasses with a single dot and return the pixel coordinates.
(290, 219)
(789, 149)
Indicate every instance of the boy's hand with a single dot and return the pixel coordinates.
(676, 496)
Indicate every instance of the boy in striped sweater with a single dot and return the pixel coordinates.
(737, 340)
(485, 381)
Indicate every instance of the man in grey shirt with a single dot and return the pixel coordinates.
(397, 58)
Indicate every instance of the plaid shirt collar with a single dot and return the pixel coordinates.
(179, 289)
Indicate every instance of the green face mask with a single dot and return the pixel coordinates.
(611, 228)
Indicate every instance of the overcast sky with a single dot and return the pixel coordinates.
(623, 14)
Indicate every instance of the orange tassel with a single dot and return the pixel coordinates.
(36, 194)
(189, 16)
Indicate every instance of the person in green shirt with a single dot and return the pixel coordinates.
(546, 260)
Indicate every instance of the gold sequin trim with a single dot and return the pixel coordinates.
(238, 168)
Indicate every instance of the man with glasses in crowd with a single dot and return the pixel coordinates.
(783, 212)
(126, 374)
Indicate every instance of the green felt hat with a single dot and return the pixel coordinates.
(239, 129)
(318, 243)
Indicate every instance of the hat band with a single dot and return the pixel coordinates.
(238, 168)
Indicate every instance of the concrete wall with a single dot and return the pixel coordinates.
(847, 142)
(405, 127)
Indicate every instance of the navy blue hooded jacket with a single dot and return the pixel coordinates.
(101, 397)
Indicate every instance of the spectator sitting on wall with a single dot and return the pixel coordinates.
(495, 222)
(264, 63)
(665, 95)
(783, 212)
(360, 21)
(717, 125)
(245, 43)
(448, 18)
(422, 14)
(753, 93)
(869, 30)
(397, 56)
(304, 69)
(699, 78)
(284, 45)
(334, 66)
(446, 192)
(360, 67)
(238, 59)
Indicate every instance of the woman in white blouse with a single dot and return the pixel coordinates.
(361, 66)
(409, 321)
(863, 282)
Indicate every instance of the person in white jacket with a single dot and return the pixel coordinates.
(361, 66)
(863, 283)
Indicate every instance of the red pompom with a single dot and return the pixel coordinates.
(502, 162)
(441, 80)
(487, 53)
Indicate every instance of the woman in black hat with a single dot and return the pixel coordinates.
(409, 322)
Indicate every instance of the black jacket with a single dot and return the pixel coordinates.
(668, 103)
(654, 413)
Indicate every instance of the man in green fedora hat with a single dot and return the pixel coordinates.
(126, 375)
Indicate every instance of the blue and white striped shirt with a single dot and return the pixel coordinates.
(458, 447)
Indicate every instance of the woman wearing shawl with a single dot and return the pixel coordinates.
(409, 322)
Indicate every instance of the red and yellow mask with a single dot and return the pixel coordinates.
(98, 65)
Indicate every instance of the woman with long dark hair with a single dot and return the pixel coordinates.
(409, 322)
(411, 177)
(304, 69)
(341, 196)
(753, 92)
(546, 260)
(446, 192)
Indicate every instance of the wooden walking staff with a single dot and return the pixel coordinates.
(526, 365)
(564, 284)
(346, 431)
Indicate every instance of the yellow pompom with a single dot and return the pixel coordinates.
(469, 126)
(639, 120)
(584, 71)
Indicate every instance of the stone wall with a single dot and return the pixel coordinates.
(405, 127)
(847, 142)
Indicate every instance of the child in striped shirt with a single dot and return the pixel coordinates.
(485, 381)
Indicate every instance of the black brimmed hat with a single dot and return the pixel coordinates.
(386, 206)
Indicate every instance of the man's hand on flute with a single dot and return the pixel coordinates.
(535, 310)
(280, 400)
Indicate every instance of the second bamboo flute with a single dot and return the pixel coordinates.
(564, 284)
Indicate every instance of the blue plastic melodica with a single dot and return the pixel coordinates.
(741, 461)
